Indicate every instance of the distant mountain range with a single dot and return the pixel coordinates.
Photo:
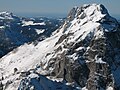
(15, 31)
(36, 15)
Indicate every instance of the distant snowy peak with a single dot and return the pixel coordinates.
(6, 15)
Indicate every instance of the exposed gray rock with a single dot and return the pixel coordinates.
(95, 66)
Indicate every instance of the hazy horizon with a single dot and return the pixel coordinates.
(59, 15)
(53, 8)
(51, 15)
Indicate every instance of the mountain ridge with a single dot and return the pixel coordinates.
(84, 52)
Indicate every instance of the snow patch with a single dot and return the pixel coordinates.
(2, 27)
(27, 23)
(39, 31)
(110, 88)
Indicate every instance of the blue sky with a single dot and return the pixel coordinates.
(57, 7)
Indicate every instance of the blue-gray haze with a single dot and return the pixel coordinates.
(53, 7)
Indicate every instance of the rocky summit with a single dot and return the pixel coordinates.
(82, 54)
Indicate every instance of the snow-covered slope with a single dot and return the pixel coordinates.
(83, 52)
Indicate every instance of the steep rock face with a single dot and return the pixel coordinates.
(84, 52)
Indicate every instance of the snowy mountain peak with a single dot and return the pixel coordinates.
(6, 15)
(94, 13)
(84, 51)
